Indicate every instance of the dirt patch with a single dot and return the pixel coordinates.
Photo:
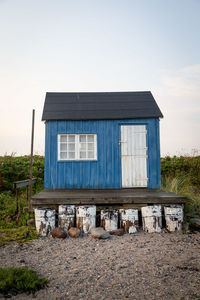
(138, 266)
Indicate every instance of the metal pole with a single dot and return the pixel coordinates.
(31, 162)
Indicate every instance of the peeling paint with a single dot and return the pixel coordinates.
(66, 216)
(174, 217)
(109, 219)
(86, 217)
(44, 220)
(152, 218)
(129, 220)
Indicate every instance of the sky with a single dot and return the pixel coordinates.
(99, 46)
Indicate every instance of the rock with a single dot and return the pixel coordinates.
(58, 233)
(195, 222)
(118, 232)
(25, 235)
(99, 233)
(31, 222)
(186, 226)
(74, 232)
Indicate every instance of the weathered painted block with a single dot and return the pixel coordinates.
(86, 217)
(44, 220)
(174, 217)
(66, 216)
(129, 220)
(152, 218)
(109, 219)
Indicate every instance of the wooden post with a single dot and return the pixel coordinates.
(17, 202)
(31, 162)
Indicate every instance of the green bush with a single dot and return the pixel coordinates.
(15, 168)
(183, 166)
(20, 280)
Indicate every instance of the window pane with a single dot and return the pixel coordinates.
(63, 138)
(71, 138)
(71, 155)
(90, 154)
(82, 138)
(83, 146)
(63, 155)
(71, 147)
(90, 146)
(82, 154)
(90, 138)
(63, 147)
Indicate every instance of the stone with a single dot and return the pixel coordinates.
(186, 226)
(74, 232)
(30, 222)
(118, 232)
(195, 222)
(58, 233)
(99, 233)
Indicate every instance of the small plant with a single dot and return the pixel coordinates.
(20, 234)
(20, 280)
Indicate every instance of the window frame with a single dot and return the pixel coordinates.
(77, 147)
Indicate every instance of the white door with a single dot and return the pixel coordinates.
(134, 156)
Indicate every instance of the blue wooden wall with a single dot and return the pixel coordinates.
(106, 171)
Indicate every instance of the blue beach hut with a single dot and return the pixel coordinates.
(101, 140)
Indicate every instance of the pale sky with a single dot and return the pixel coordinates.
(99, 45)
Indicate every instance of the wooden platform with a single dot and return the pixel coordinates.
(123, 197)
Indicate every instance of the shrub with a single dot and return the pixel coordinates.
(183, 166)
(15, 168)
(20, 280)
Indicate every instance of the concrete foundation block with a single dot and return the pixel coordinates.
(44, 220)
(129, 220)
(109, 219)
(86, 217)
(66, 216)
(152, 218)
(174, 217)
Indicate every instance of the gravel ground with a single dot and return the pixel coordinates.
(139, 266)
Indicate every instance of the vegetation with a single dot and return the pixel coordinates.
(20, 234)
(179, 174)
(15, 168)
(20, 280)
(13, 225)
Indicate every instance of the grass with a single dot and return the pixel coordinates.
(20, 280)
(182, 186)
(13, 227)
(180, 175)
(20, 234)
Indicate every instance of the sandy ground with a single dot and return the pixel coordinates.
(139, 266)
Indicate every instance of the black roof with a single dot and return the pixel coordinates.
(94, 106)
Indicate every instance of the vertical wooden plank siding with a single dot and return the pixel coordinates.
(105, 172)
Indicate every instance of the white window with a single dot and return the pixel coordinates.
(77, 147)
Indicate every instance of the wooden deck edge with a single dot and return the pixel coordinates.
(109, 201)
